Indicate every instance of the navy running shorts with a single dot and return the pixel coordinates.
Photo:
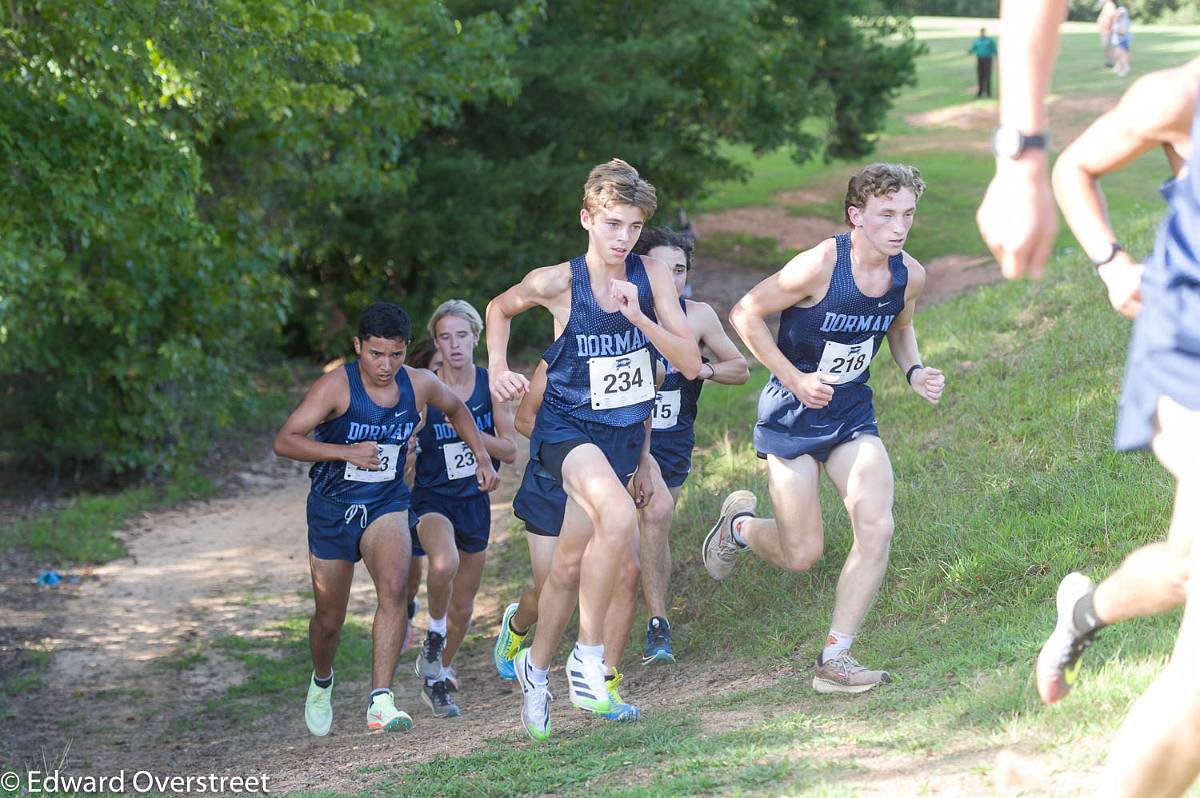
(788, 429)
(470, 517)
(673, 452)
(335, 528)
(540, 502)
(1164, 356)
(560, 433)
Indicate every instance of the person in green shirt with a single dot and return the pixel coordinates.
(984, 50)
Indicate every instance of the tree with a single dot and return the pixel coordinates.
(663, 85)
(157, 153)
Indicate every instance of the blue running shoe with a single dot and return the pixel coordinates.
(508, 643)
(658, 642)
(620, 711)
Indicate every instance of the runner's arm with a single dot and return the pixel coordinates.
(327, 398)
(1017, 218)
(531, 402)
(428, 389)
(671, 335)
(1155, 110)
(800, 279)
(539, 287)
(641, 486)
(502, 445)
(730, 367)
(927, 381)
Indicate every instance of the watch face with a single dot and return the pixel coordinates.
(1006, 142)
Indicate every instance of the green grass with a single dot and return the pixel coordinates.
(945, 78)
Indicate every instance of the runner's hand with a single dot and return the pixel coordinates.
(364, 454)
(625, 294)
(486, 476)
(1123, 278)
(1017, 218)
(811, 389)
(641, 487)
(507, 385)
(929, 383)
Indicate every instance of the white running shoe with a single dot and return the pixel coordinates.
(720, 550)
(586, 683)
(318, 708)
(382, 715)
(535, 702)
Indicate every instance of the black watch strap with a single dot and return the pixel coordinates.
(1112, 253)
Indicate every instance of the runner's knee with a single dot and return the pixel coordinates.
(616, 524)
(874, 534)
(658, 513)
(328, 624)
(802, 558)
(443, 569)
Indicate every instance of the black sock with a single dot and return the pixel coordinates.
(323, 683)
(375, 692)
(514, 629)
(1084, 616)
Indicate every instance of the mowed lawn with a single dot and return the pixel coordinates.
(1001, 490)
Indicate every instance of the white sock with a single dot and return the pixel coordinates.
(589, 652)
(737, 531)
(438, 625)
(536, 675)
(835, 645)
(445, 674)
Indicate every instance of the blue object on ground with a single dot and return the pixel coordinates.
(46, 578)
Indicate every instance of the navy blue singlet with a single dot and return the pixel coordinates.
(1164, 352)
(845, 316)
(433, 462)
(364, 420)
(593, 333)
(844, 330)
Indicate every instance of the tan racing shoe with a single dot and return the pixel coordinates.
(720, 550)
(843, 674)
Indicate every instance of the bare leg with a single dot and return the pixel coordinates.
(462, 600)
(331, 580)
(1157, 750)
(560, 591)
(437, 538)
(655, 525)
(590, 482)
(541, 555)
(618, 621)
(863, 475)
(795, 537)
(416, 570)
(386, 548)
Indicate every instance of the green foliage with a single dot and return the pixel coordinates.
(667, 88)
(162, 160)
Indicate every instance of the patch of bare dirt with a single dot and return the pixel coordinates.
(1068, 114)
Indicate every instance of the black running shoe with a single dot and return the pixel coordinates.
(439, 700)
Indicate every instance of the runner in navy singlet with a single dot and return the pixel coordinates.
(674, 436)
(1157, 750)
(612, 312)
(451, 517)
(361, 417)
(838, 301)
(541, 504)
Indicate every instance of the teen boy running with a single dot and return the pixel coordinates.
(607, 306)
(361, 417)
(674, 434)
(838, 300)
(451, 517)
(541, 503)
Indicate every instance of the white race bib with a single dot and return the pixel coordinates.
(666, 410)
(621, 380)
(460, 460)
(389, 455)
(844, 362)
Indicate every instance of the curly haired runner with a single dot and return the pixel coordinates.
(838, 300)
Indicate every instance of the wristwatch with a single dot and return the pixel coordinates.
(1112, 253)
(1008, 142)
